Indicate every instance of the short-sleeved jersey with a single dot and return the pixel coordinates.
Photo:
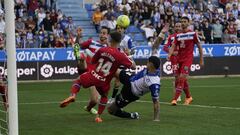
(93, 46)
(107, 60)
(126, 43)
(169, 42)
(144, 82)
(185, 41)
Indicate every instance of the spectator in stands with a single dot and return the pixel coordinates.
(20, 26)
(64, 23)
(52, 40)
(47, 23)
(32, 6)
(217, 32)
(103, 6)
(225, 37)
(156, 17)
(104, 22)
(29, 37)
(54, 16)
(96, 18)
(57, 31)
(40, 16)
(125, 5)
(113, 23)
(207, 31)
(30, 23)
(59, 42)
(70, 25)
(45, 43)
(23, 40)
(148, 29)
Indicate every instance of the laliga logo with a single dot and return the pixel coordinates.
(167, 67)
(46, 70)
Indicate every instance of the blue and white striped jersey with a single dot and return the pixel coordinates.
(126, 43)
(144, 82)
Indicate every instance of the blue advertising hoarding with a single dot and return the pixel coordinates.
(142, 52)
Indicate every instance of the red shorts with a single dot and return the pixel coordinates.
(174, 63)
(87, 80)
(184, 66)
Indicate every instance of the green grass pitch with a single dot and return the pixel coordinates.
(214, 111)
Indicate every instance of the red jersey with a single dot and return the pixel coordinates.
(169, 42)
(108, 60)
(185, 41)
(93, 46)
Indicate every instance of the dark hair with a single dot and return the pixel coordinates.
(155, 61)
(186, 18)
(116, 37)
(104, 27)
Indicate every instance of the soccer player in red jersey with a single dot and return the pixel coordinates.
(173, 58)
(106, 62)
(84, 60)
(185, 41)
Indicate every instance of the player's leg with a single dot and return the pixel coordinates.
(175, 69)
(186, 90)
(174, 88)
(123, 99)
(116, 87)
(187, 66)
(179, 84)
(83, 80)
(92, 101)
(113, 109)
(80, 58)
(103, 91)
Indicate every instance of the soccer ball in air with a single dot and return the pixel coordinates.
(123, 21)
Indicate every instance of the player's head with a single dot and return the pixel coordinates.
(104, 34)
(120, 29)
(115, 39)
(153, 63)
(178, 27)
(185, 22)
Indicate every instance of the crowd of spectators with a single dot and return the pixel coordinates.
(38, 24)
(216, 21)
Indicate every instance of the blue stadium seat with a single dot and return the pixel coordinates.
(88, 7)
(139, 37)
(132, 29)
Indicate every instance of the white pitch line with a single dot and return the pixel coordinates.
(200, 106)
(143, 101)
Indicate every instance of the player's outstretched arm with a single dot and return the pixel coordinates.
(171, 50)
(160, 37)
(201, 62)
(156, 108)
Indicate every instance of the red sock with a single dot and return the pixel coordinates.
(186, 89)
(102, 104)
(75, 87)
(179, 87)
